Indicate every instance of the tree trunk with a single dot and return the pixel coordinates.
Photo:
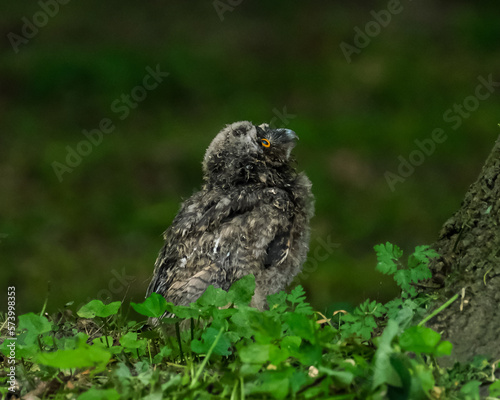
(469, 264)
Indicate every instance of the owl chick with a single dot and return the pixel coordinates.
(250, 217)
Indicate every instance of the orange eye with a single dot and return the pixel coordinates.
(265, 143)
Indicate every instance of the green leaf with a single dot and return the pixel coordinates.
(302, 326)
(304, 308)
(364, 327)
(48, 340)
(277, 302)
(418, 263)
(250, 369)
(422, 381)
(164, 353)
(443, 349)
(291, 343)
(401, 312)
(343, 378)
(403, 279)
(361, 322)
(184, 312)
(278, 355)
(241, 291)
(240, 321)
(274, 383)
(374, 308)
(420, 339)
(96, 308)
(265, 328)
(208, 337)
(105, 341)
(420, 272)
(383, 370)
(401, 365)
(471, 390)
(122, 372)
(97, 394)
(297, 295)
(255, 353)
(154, 396)
(72, 342)
(494, 389)
(298, 299)
(174, 382)
(424, 253)
(130, 341)
(154, 306)
(213, 297)
(309, 354)
(81, 357)
(34, 325)
(387, 255)
(298, 380)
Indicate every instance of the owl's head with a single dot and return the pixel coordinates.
(243, 152)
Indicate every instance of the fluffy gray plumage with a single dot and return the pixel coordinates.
(250, 217)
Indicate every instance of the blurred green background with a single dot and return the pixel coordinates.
(96, 233)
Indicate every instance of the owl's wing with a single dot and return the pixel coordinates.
(161, 278)
(278, 249)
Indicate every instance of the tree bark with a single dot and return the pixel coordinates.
(469, 264)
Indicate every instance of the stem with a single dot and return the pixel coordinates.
(54, 337)
(105, 331)
(438, 310)
(315, 383)
(155, 346)
(39, 343)
(205, 360)
(178, 334)
(46, 299)
(175, 365)
(235, 391)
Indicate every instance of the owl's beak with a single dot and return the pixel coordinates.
(288, 138)
(289, 135)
